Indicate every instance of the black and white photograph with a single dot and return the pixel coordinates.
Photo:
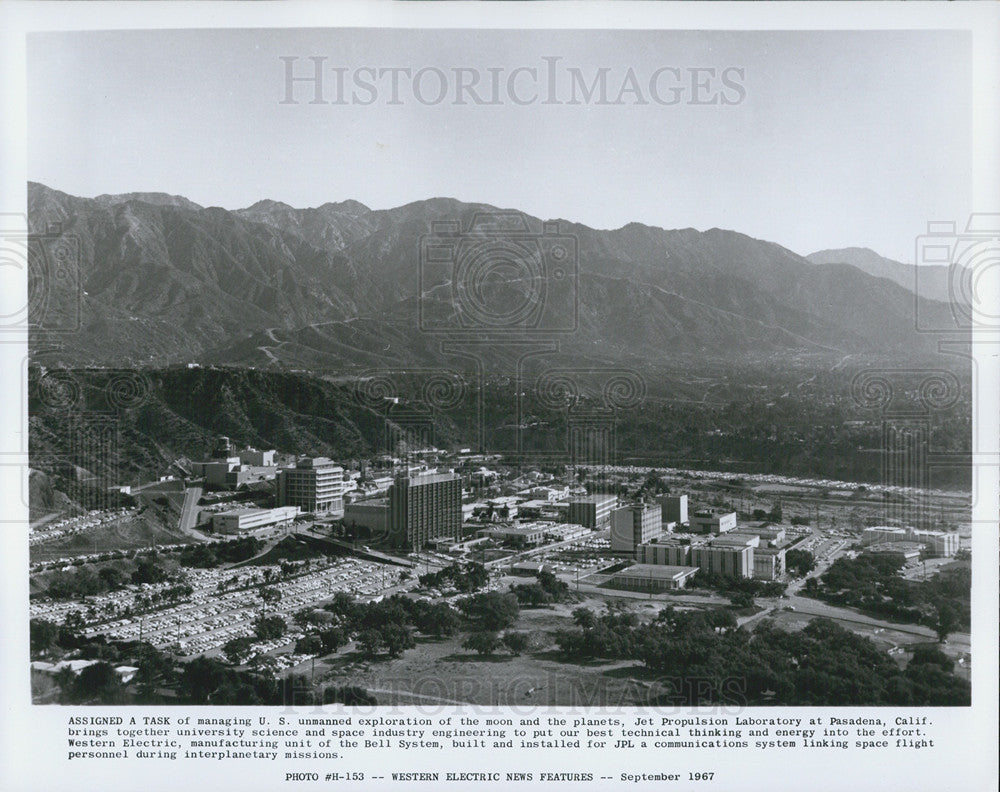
(604, 391)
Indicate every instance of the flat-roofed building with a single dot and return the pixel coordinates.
(236, 521)
(939, 543)
(371, 514)
(527, 568)
(883, 533)
(504, 508)
(736, 540)
(768, 563)
(314, 484)
(634, 525)
(674, 508)
(526, 535)
(564, 532)
(770, 534)
(256, 457)
(730, 561)
(664, 553)
(712, 521)
(423, 507)
(592, 511)
(909, 550)
(652, 577)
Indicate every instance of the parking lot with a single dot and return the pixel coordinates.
(211, 616)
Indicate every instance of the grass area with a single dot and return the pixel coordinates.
(441, 670)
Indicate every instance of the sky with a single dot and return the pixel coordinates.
(816, 139)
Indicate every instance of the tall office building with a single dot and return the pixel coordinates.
(634, 525)
(424, 507)
(731, 561)
(592, 511)
(675, 508)
(314, 484)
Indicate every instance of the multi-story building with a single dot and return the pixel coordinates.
(231, 473)
(371, 514)
(592, 511)
(883, 533)
(424, 507)
(314, 484)
(257, 458)
(730, 561)
(664, 553)
(634, 525)
(242, 520)
(768, 563)
(736, 540)
(773, 535)
(712, 521)
(938, 543)
(674, 509)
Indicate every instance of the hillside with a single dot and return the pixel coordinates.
(933, 281)
(97, 427)
(339, 286)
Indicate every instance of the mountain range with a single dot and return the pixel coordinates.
(339, 287)
(933, 279)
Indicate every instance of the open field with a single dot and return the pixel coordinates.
(440, 671)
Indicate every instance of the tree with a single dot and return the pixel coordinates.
(111, 578)
(515, 642)
(437, 619)
(309, 644)
(370, 642)
(148, 572)
(397, 638)
(800, 562)
(491, 611)
(98, 681)
(931, 655)
(332, 639)
(269, 628)
(269, 596)
(947, 621)
(43, 635)
(483, 642)
(236, 650)
(585, 618)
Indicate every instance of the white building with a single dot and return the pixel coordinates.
(238, 521)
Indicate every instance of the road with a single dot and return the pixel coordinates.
(189, 512)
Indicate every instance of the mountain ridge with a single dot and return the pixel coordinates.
(165, 280)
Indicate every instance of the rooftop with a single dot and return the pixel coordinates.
(599, 498)
(656, 571)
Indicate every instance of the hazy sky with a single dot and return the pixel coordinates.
(831, 140)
